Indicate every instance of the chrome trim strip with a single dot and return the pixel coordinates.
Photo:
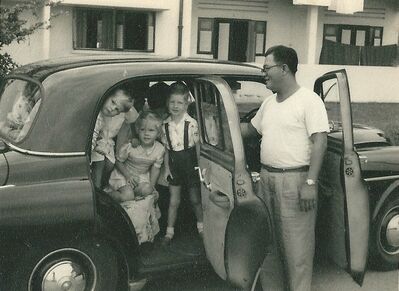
(6, 186)
(382, 178)
(47, 154)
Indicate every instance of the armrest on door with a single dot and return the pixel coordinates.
(220, 199)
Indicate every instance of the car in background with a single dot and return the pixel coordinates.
(58, 231)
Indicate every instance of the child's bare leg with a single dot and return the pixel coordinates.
(108, 167)
(98, 169)
(115, 195)
(195, 199)
(143, 189)
(174, 203)
(126, 193)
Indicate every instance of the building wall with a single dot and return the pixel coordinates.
(375, 13)
(287, 23)
(249, 10)
(31, 49)
(166, 31)
(61, 31)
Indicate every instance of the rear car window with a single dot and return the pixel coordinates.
(19, 103)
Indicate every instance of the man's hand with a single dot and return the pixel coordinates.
(307, 197)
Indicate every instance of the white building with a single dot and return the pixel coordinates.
(239, 30)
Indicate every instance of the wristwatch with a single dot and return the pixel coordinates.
(310, 182)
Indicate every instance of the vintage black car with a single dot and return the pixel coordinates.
(58, 232)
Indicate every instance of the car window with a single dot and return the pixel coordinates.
(19, 104)
(216, 129)
(331, 101)
(248, 94)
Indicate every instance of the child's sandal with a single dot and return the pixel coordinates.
(166, 240)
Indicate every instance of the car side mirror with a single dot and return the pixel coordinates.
(3, 147)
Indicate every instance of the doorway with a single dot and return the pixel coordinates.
(231, 39)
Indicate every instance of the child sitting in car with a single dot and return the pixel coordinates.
(117, 108)
(136, 172)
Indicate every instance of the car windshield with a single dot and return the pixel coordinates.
(19, 103)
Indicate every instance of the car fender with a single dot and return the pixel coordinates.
(385, 196)
(116, 225)
(248, 236)
(49, 209)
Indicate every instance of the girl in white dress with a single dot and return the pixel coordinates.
(136, 172)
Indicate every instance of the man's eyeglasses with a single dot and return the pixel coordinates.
(267, 69)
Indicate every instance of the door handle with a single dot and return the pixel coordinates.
(220, 199)
(201, 174)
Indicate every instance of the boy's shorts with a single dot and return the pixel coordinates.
(182, 167)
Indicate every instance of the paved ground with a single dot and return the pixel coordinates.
(326, 277)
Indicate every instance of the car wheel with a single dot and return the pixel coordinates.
(79, 266)
(385, 237)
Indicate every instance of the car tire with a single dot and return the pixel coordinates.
(384, 243)
(80, 265)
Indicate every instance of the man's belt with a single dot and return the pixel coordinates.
(283, 170)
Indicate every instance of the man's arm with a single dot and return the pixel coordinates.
(319, 140)
(308, 193)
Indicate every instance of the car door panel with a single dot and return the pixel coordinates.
(358, 215)
(331, 187)
(248, 226)
(349, 190)
(215, 216)
(236, 221)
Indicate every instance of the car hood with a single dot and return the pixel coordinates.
(380, 160)
(364, 137)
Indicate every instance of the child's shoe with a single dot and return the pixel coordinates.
(170, 232)
(200, 228)
(165, 241)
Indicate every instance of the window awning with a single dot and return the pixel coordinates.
(340, 6)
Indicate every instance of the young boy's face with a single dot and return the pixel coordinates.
(177, 105)
(116, 104)
(148, 132)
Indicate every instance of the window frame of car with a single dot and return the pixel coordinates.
(42, 98)
(190, 80)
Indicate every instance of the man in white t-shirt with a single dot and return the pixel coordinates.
(293, 124)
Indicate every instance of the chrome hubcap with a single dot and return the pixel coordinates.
(65, 276)
(64, 270)
(392, 231)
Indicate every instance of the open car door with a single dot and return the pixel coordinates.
(341, 178)
(236, 222)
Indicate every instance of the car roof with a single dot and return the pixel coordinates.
(42, 69)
